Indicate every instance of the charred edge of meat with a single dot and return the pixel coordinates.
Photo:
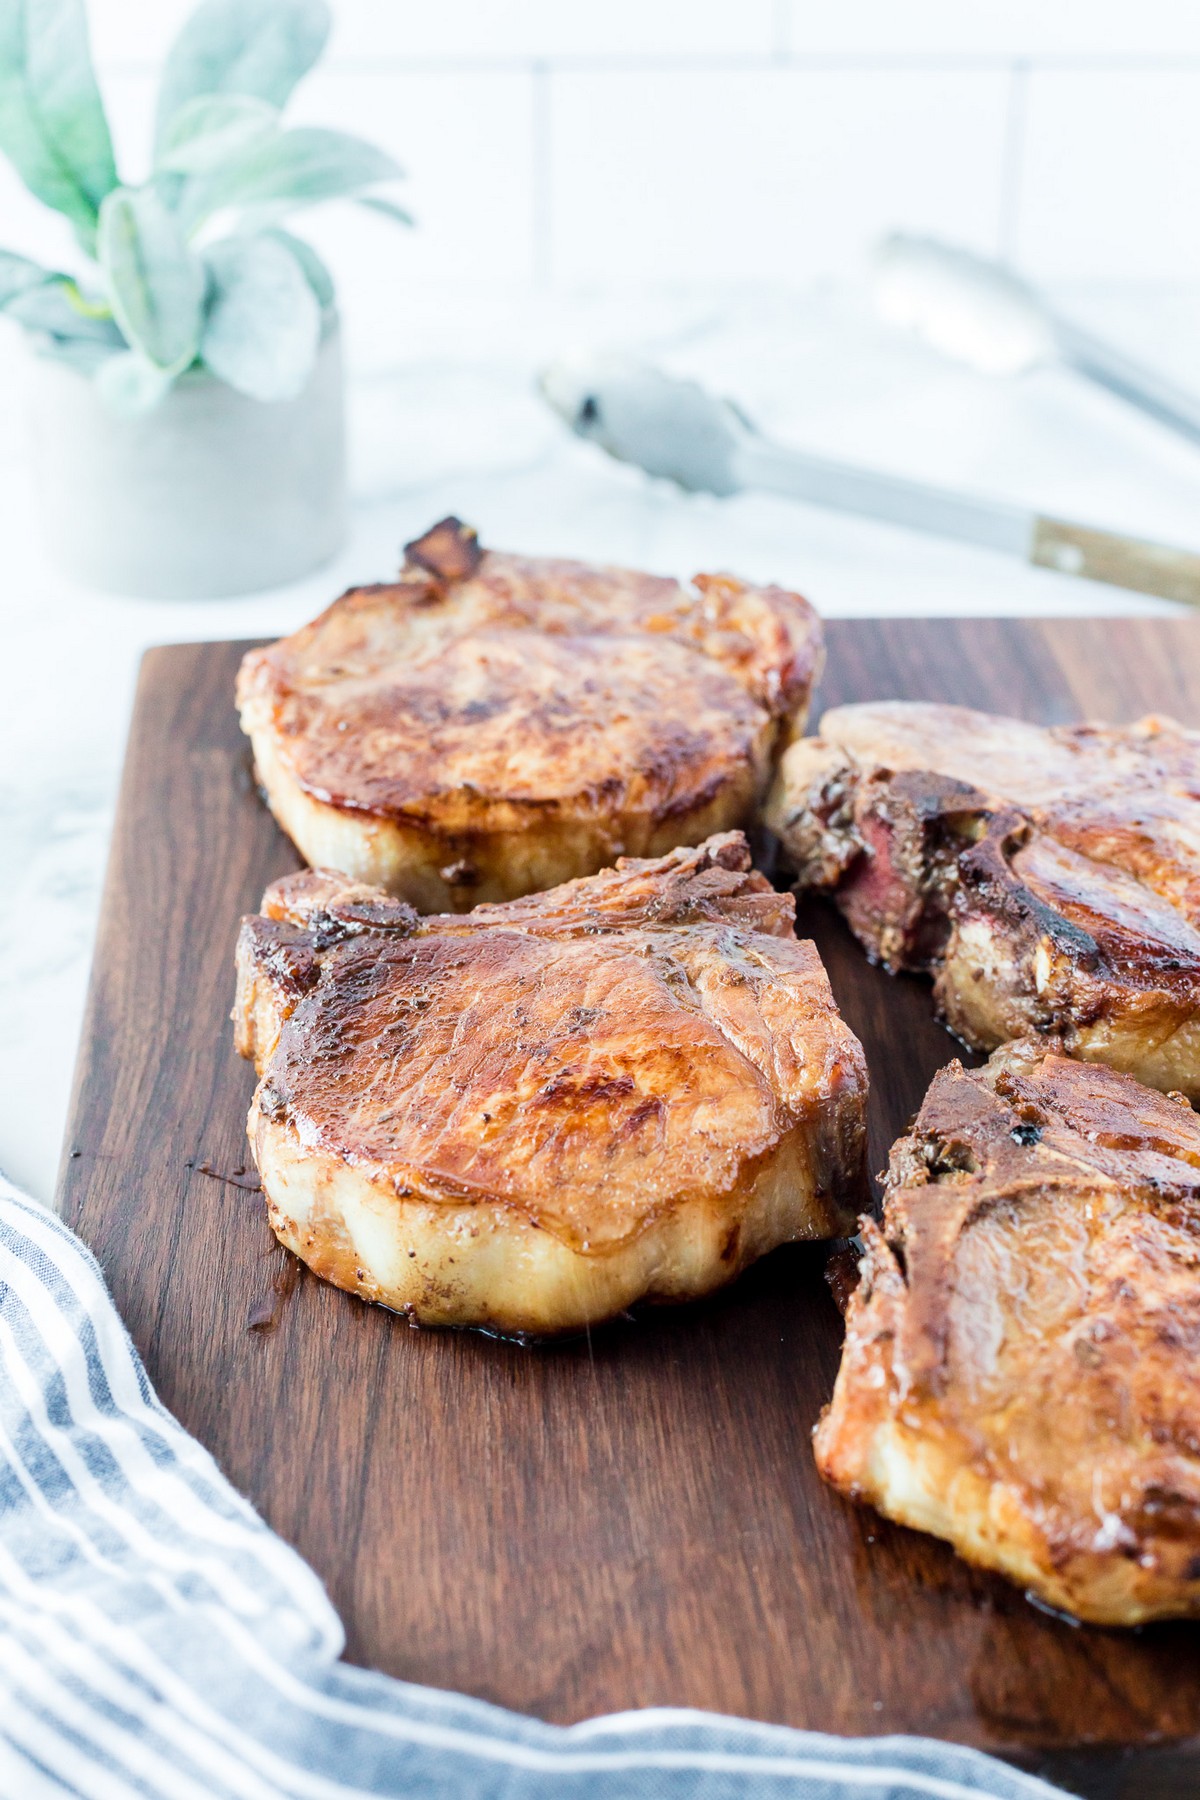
(284, 952)
(843, 1271)
(351, 918)
(988, 882)
(450, 550)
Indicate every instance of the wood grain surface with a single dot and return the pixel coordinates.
(627, 1521)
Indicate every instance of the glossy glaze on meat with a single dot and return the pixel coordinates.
(1050, 880)
(529, 1116)
(1019, 1371)
(488, 725)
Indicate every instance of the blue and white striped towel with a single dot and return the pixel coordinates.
(157, 1640)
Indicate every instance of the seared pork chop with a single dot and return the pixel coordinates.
(1050, 879)
(532, 1115)
(489, 725)
(1019, 1372)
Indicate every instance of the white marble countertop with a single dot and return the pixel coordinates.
(459, 428)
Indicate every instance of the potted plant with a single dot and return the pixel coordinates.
(187, 385)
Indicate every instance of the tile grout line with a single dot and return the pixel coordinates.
(1013, 173)
(720, 62)
(542, 131)
(781, 30)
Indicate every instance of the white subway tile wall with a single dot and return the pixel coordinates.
(604, 143)
(1083, 30)
(467, 138)
(650, 175)
(1111, 183)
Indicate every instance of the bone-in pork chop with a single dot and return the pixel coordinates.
(1049, 879)
(530, 1116)
(1019, 1372)
(488, 725)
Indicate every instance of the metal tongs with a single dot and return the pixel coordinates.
(676, 429)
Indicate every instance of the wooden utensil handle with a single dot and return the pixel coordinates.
(1121, 561)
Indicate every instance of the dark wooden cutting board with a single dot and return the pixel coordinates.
(583, 1527)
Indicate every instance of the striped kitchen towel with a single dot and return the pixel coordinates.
(157, 1640)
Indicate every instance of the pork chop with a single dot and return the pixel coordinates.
(488, 725)
(1049, 879)
(530, 1116)
(1018, 1374)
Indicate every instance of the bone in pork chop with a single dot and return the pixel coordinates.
(1049, 879)
(488, 725)
(1019, 1371)
(529, 1116)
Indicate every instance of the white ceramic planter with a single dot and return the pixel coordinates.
(210, 494)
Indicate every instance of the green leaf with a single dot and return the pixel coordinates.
(78, 353)
(256, 47)
(47, 301)
(263, 322)
(82, 303)
(315, 273)
(20, 276)
(213, 128)
(155, 283)
(292, 170)
(50, 308)
(52, 124)
(130, 384)
(67, 323)
(381, 204)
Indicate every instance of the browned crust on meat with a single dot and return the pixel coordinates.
(1018, 1373)
(488, 723)
(450, 550)
(589, 1063)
